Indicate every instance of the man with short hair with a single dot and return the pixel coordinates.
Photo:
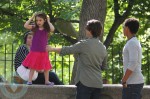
(133, 79)
(92, 57)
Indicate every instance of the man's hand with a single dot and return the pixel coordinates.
(53, 49)
(49, 48)
(124, 84)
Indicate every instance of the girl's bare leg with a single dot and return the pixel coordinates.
(31, 75)
(46, 74)
(47, 82)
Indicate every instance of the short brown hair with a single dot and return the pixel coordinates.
(95, 27)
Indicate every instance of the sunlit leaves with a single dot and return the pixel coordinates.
(66, 10)
(141, 11)
(142, 8)
(14, 13)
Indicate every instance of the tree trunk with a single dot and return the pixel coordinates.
(91, 9)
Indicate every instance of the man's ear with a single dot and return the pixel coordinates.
(128, 30)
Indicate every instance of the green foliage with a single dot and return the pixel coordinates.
(6, 57)
(61, 65)
(13, 14)
(58, 39)
(140, 11)
(66, 10)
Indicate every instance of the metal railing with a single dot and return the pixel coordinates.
(63, 66)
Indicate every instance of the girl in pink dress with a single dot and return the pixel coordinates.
(38, 58)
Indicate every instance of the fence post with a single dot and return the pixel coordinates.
(112, 53)
(5, 62)
(12, 57)
(69, 69)
(148, 63)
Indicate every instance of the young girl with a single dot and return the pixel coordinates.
(38, 59)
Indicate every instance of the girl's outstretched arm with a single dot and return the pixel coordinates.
(27, 24)
(50, 24)
(51, 49)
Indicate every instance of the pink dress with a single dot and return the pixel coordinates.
(38, 58)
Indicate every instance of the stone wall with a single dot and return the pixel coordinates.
(59, 92)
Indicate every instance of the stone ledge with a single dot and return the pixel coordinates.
(59, 91)
(114, 91)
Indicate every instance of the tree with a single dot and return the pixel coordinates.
(91, 9)
(65, 13)
(119, 18)
(122, 10)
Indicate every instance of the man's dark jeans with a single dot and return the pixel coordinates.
(133, 91)
(84, 92)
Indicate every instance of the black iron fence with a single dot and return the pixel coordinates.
(115, 63)
(63, 65)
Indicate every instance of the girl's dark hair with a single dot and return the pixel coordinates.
(26, 35)
(46, 25)
(132, 24)
(95, 27)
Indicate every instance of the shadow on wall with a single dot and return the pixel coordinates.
(106, 97)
